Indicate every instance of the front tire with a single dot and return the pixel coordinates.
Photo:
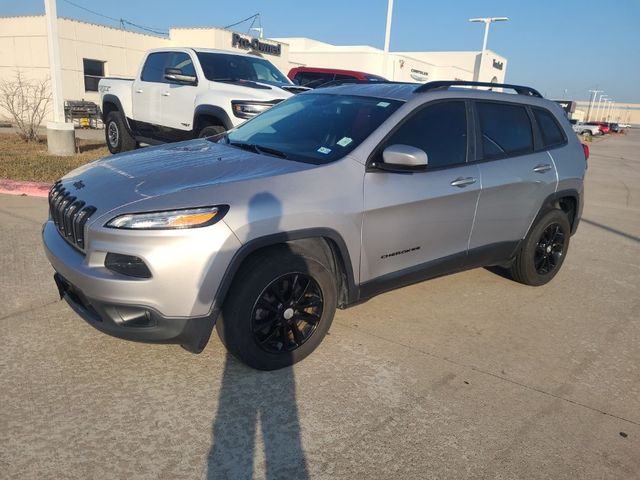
(278, 309)
(543, 251)
(116, 134)
(210, 131)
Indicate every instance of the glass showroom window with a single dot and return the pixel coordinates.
(93, 72)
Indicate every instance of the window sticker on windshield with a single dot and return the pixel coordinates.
(344, 141)
(324, 150)
(383, 104)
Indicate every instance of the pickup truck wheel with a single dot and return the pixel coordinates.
(543, 251)
(116, 134)
(586, 133)
(210, 131)
(278, 309)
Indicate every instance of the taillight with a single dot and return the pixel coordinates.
(585, 149)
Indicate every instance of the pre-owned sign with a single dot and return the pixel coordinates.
(255, 44)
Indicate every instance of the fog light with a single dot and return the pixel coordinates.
(127, 265)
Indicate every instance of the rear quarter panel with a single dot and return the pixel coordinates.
(119, 88)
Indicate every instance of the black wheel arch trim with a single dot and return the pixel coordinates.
(279, 238)
(550, 203)
(212, 111)
(110, 98)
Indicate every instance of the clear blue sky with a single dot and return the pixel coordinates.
(552, 45)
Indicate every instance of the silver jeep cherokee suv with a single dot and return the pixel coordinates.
(324, 200)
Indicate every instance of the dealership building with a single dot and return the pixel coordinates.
(89, 52)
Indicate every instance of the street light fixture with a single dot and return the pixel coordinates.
(609, 112)
(600, 99)
(591, 102)
(387, 40)
(487, 21)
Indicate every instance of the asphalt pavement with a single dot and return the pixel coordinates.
(466, 376)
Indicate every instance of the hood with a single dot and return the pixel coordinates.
(250, 90)
(118, 180)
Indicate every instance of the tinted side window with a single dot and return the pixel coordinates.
(549, 128)
(313, 79)
(153, 70)
(440, 130)
(340, 76)
(182, 61)
(506, 129)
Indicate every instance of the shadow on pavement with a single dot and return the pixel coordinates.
(252, 400)
(612, 230)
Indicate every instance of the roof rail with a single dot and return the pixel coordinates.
(444, 84)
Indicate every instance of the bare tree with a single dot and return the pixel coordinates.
(27, 101)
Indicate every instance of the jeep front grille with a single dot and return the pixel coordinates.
(69, 214)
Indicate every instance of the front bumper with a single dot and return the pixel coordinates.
(175, 305)
(139, 324)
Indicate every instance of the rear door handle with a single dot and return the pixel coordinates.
(139, 90)
(542, 168)
(166, 94)
(462, 182)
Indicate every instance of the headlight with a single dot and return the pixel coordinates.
(172, 219)
(249, 109)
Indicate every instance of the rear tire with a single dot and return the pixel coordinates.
(543, 250)
(210, 131)
(116, 134)
(278, 309)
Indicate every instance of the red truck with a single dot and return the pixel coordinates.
(313, 77)
(602, 126)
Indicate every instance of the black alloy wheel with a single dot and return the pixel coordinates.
(543, 250)
(287, 313)
(549, 249)
(279, 307)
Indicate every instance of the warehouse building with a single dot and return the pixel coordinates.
(89, 52)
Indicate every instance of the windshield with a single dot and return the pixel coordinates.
(315, 128)
(229, 67)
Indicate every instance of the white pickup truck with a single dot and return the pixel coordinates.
(184, 93)
(585, 129)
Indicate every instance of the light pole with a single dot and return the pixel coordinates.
(387, 39)
(600, 99)
(605, 109)
(487, 21)
(60, 135)
(593, 98)
(611, 102)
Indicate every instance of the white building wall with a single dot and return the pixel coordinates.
(221, 39)
(23, 46)
(401, 66)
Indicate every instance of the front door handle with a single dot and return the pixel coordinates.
(545, 167)
(166, 94)
(139, 90)
(462, 182)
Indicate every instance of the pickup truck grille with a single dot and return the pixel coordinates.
(69, 214)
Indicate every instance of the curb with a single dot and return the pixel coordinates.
(24, 188)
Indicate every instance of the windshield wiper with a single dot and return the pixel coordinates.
(258, 149)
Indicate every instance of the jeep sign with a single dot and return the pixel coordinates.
(255, 44)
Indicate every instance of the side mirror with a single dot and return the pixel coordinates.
(403, 158)
(176, 75)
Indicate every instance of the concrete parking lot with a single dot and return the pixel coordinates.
(466, 376)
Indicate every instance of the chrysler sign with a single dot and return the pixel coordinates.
(248, 43)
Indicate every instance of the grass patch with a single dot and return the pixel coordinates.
(30, 161)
